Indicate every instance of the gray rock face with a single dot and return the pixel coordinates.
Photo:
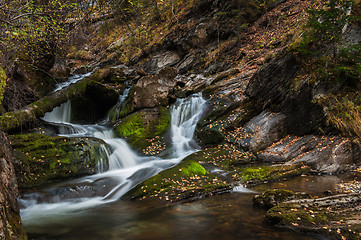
(263, 130)
(10, 222)
(272, 88)
(323, 154)
(154, 90)
(160, 61)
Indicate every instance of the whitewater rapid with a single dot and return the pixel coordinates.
(123, 169)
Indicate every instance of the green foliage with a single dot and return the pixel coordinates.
(3, 78)
(32, 31)
(324, 28)
(344, 112)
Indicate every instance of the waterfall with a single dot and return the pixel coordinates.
(185, 116)
(61, 114)
(124, 168)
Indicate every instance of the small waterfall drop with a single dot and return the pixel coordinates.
(123, 170)
(61, 114)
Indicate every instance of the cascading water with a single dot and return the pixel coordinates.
(124, 169)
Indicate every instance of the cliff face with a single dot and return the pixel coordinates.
(10, 222)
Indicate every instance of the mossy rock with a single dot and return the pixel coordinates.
(263, 174)
(274, 197)
(138, 128)
(44, 159)
(188, 180)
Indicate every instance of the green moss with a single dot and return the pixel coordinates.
(185, 180)
(257, 175)
(287, 214)
(142, 126)
(42, 159)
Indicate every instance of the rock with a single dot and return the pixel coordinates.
(209, 136)
(60, 70)
(121, 71)
(116, 44)
(44, 159)
(10, 221)
(160, 61)
(323, 154)
(263, 130)
(336, 217)
(138, 128)
(272, 198)
(154, 90)
(272, 87)
(94, 104)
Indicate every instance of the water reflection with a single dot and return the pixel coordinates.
(228, 216)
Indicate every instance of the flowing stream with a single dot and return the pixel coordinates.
(91, 207)
(124, 168)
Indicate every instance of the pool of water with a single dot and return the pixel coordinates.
(227, 216)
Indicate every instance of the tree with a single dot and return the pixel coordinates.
(326, 25)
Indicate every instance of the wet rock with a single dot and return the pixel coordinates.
(153, 90)
(10, 222)
(263, 130)
(43, 159)
(323, 154)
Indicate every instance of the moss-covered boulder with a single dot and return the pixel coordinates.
(140, 127)
(189, 180)
(43, 159)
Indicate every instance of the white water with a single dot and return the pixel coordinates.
(72, 80)
(125, 169)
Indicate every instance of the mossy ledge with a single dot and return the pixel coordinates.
(187, 181)
(336, 217)
(43, 159)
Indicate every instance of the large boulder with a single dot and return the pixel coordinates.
(153, 90)
(10, 222)
(263, 130)
(44, 159)
(322, 154)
